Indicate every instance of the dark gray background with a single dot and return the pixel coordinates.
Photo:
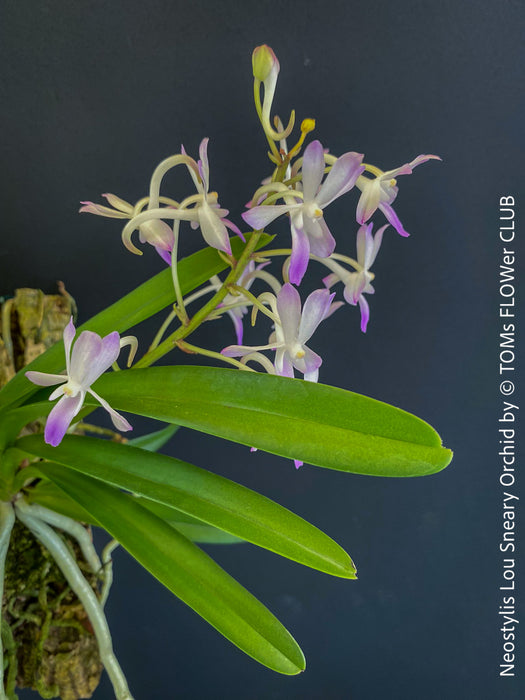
(94, 95)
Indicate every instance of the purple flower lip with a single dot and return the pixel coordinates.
(86, 361)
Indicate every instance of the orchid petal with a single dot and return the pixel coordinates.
(157, 233)
(352, 288)
(289, 310)
(333, 308)
(315, 309)
(283, 365)
(393, 219)
(378, 238)
(313, 169)
(309, 365)
(237, 324)
(389, 191)
(408, 168)
(300, 255)
(259, 217)
(68, 335)
(369, 200)
(85, 352)
(341, 178)
(312, 376)
(298, 463)
(99, 210)
(330, 280)
(365, 312)
(322, 243)
(60, 418)
(60, 391)
(364, 243)
(213, 229)
(205, 168)
(118, 421)
(43, 379)
(240, 350)
(229, 224)
(164, 254)
(118, 203)
(92, 356)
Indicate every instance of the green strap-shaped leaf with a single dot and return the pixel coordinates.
(154, 441)
(12, 422)
(210, 498)
(45, 493)
(186, 571)
(144, 301)
(318, 424)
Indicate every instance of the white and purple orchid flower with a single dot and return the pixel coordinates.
(206, 212)
(357, 284)
(153, 231)
(293, 329)
(309, 230)
(209, 216)
(90, 357)
(379, 192)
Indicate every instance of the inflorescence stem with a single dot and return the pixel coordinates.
(202, 314)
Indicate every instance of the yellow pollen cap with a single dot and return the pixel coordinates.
(307, 125)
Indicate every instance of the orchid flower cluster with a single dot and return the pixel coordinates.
(300, 188)
(150, 503)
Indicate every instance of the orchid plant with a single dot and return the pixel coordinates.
(60, 475)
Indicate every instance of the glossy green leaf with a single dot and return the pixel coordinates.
(318, 424)
(45, 493)
(144, 301)
(210, 498)
(186, 571)
(154, 441)
(12, 422)
(192, 528)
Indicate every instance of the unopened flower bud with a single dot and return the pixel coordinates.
(264, 61)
